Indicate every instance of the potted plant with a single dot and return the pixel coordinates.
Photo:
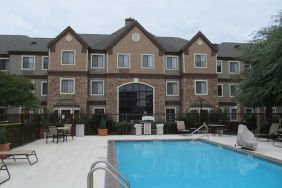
(4, 146)
(102, 130)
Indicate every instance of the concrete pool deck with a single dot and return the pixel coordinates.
(66, 165)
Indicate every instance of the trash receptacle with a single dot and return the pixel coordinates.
(160, 129)
(138, 129)
(79, 130)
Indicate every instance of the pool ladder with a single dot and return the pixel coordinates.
(108, 168)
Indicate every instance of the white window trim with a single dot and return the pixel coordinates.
(73, 79)
(207, 87)
(103, 88)
(42, 82)
(33, 62)
(195, 61)
(42, 60)
(174, 108)
(230, 89)
(220, 65)
(249, 108)
(221, 90)
(8, 67)
(274, 110)
(153, 61)
(74, 57)
(230, 112)
(103, 60)
(238, 67)
(128, 60)
(177, 62)
(198, 109)
(247, 64)
(177, 82)
(94, 108)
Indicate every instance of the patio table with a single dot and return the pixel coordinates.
(218, 128)
(63, 130)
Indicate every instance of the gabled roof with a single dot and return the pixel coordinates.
(201, 35)
(118, 35)
(69, 29)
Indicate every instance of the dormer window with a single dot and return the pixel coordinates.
(200, 60)
(68, 57)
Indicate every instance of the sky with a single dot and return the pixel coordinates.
(219, 20)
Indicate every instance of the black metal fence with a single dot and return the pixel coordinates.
(26, 128)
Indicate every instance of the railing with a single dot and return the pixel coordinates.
(111, 170)
(198, 129)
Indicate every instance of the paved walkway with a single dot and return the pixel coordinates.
(65, 165)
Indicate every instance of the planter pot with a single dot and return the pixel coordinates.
(5, 147)
(103, 132)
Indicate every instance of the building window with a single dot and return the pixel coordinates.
(172, 62)
(201, 87)
(67, 86)
(4, 64)
(98, 110)
(172, 88)
(28, 62)
(97, 87)
(44, 88)
(68, 57)
(249, 110)
(247, 67)
(3, 113)
(233, 114)
(170, 114)
(45, 62)
(134, 100)
(233, 89)
(147, 61)
(200, 60)
(234, 67)
(123, 60)
(218, 66)
(220, 90)
(97, 60)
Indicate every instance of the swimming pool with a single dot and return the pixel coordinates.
(186, 164)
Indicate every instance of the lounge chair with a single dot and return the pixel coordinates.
(3, 167)
(53, 133)
(69, 131)
(26, 154)
(181, 127)
(273, 132)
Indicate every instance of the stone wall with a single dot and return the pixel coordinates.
(80, 96)
(188, 93)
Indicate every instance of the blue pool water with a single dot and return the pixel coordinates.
(185, 164)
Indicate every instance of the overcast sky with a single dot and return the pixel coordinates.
(219, 20)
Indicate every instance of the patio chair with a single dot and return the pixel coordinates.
(19, 154)
(181, 127)
(53, 133)
(277, 139)
(273, 132)
(69, 131)
(3, 167)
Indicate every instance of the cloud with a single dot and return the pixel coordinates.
(219, 20)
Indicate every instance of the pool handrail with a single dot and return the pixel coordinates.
(202, 126)
(112, 171)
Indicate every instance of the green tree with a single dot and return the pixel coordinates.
(17, 91)
(262, 85)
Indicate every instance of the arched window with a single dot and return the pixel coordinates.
(134, 100)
